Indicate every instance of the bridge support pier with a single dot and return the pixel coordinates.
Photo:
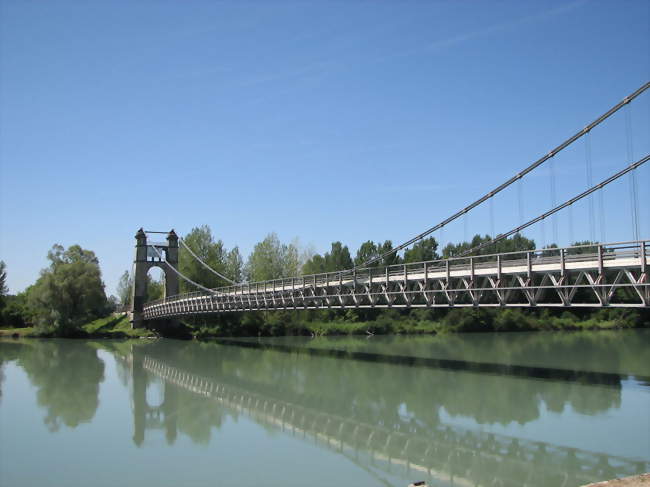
(145, 260)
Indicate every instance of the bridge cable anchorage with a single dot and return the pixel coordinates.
(510, 181)
(634, 199)
(179, 274)
(187, 247)
(567, 203)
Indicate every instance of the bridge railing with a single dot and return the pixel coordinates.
(602, 253)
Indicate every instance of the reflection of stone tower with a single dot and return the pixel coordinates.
(145, 259)
(139, 378)
(147, 417)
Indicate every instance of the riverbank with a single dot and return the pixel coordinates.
(636, 481)
(388, 322)
(422, 321)
(113, 326)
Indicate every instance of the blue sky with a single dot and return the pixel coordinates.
(319, 120)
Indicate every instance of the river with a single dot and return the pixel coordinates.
(535, 409)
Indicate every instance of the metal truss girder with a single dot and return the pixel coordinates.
(496, 283)
(525, 288)
(424, 285)
(594, 281)
(642, 295)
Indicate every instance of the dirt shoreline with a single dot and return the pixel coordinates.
(642, 480)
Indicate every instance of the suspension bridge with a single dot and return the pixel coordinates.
(594, 275)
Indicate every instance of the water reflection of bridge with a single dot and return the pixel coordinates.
(444, 453)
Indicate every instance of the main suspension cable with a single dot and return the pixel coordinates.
(567, 203)
(513, 179)
(187, 247)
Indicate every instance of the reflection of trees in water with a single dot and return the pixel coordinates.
(196, 418)
(376, 390)
(381, 393)
(387, 412)
(9, 351)
(620, 351)
(458, 452)
(67, 377)
(2, 377)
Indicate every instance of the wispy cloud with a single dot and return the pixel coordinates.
(315, 69)
(491, 29)
(324, 66)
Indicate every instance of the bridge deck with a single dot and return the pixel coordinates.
(613, 275)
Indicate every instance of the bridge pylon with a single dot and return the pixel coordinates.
(145, 259)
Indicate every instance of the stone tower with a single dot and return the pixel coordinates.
(145, 259)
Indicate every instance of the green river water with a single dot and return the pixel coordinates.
(534, 409)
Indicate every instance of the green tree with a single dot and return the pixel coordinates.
(592, 249)
(3, 288)
(15, 313)
(155, 288)
(371, 250)
(3, 280)
(391, 259)
(125, 289)
(366, 252)
(210, 251)
(423, 250)
(292, 259)
(314, 265)
(516, 243)
(338, 258)
(70, 292)
(234, 265)
(271, 259)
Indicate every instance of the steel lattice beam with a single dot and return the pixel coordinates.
(607, 275)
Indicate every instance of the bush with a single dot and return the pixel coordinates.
(512, 320)
(468, 319)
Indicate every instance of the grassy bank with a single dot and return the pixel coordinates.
(113, 326)
(16, 332)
